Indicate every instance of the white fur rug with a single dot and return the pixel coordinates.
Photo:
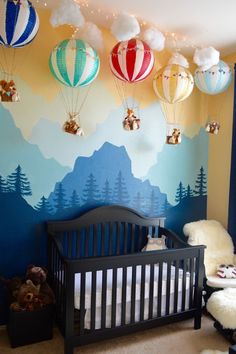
(210, 351)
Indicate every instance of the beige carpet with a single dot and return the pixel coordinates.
(178, 338)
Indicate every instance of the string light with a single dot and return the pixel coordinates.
(110, 16)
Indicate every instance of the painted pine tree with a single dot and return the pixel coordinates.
(138, 202)
(201, 183)
(74, 199)
(19, 183)
(91, 191)
(180, 193)
(60, 202)
(165, 206)
(120, 194)
(43, 206)
(3, 185)
(107, 193)
(189, 192)
(153, 204)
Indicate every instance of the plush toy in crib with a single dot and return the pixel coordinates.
(155, 243)
(226, 271)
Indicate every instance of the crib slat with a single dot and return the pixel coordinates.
(125, 238)
(86, 243)
(123, 305)
(184, 285)
(133, 294)
(140, 234)
(191, 270)
(114, 292)
(142, 292)
(102, 239)
(94, 240)
(159, 297)
(93, 300)
(110, 238)
(150, 311)
(132, 238)
(82, 303)
(77, 244)
(176, 286)
(69, 244)
(168, 288)
(104, 295)
(117, 238)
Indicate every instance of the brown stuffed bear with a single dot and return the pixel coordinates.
(27, 298)
(13, 285)
(38, 276)
(8, 92)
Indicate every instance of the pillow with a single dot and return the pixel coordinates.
(226, 271)
(155, 243)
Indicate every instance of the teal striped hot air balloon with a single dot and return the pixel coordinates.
(74, 63)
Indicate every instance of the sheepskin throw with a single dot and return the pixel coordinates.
(220, 249)
(222, 306)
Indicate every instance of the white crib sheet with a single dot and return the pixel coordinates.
(88, 285)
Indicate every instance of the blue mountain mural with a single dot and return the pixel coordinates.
(15, 150)
(106, 177)
(181, 162)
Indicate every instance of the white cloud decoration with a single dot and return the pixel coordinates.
(154, 38)
(178, 59)
(205, 58)
(91, 34)
(67, 13)
(125, 27)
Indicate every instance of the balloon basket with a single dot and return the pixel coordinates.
(131, 122)
(173, 135)
(72, 127)
(8, 91)
(212, 127)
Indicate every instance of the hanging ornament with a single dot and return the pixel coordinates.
(131, 122)
(130, 62)
(173, 136)
(19, 24)
(212, 127)
(75, 64)
(214, 80)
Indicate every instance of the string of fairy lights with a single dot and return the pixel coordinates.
(176, 40)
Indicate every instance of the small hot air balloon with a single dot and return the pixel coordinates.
(131, 62)
(19, 24)
(75, 64)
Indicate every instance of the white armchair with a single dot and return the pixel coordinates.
(219, 249)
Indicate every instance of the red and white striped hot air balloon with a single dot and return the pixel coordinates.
(132, 60)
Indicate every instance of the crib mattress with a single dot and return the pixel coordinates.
(88, 286)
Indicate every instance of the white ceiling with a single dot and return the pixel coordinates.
(203, 22)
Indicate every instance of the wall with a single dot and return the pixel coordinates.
(69, 174)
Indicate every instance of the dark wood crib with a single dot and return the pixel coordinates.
(106, 287)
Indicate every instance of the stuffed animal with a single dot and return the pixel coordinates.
(38, 276)
(72, 127)
(27, 298)
(155, 243)
(174, 138)
(226, 271)
(131, 122)
(13, 285)
(212, 127)
(8, 92)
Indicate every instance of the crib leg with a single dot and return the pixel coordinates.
(68, 347)
(198, 320)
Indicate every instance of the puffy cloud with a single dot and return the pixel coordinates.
(179, 59)
(205, 58)
(67, 13)
(154, 38)
(91, 34)
(125, 27)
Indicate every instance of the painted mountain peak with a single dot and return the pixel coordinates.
(15, 150)
(105, 178)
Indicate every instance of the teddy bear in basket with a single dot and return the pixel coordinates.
(174, 138)
(8, 92)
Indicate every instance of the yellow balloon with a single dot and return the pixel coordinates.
(173, 83)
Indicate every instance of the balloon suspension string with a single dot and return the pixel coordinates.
(64, 95)
(85, 98)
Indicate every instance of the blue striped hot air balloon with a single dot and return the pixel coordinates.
(74, 63)
(19, 23)
(214, 80)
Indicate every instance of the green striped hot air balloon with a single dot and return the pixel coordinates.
(74, 63)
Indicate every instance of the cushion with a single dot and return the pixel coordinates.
(226, 271)
(155, 243)
(219, 245)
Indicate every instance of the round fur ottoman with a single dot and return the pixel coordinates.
(222, 306)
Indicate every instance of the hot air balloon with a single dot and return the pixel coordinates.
(130, 62)
(75, 64)
(19, 24)
(173, 84)
(214, 81)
